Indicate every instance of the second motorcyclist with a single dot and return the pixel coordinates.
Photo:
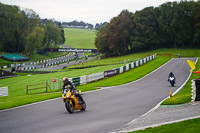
(172, 79)
(171, 75)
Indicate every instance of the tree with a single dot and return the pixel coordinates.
(146, 32)
(62, 32)
(119, 33)
(114, 38)
(101, 41)
(22, 31)
(34, 41)
(196, 38)
(9, 21)
(173, 20)
(53, 35)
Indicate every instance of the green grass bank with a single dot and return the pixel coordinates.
(188, 126)
(80, 38)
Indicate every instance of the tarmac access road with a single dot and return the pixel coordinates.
(108, 109)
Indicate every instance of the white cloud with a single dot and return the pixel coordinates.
(90, 11)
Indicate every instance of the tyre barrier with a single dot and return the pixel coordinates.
(195, 90)
(36, 72)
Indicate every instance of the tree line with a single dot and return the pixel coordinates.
(22, 31)
(76, 24)
(99, 25)
(171, 25)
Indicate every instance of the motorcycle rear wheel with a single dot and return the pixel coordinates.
(69, 107)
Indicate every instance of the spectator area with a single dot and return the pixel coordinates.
(14, 57)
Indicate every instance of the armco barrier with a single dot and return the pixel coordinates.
(76, 81)
(97, 76)
(83, 80)
(94, 77)
(136, 63)
(121, 69)
(110, 73)
(117, 70)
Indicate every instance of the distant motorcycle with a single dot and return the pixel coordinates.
(171, 81)
(73, 102)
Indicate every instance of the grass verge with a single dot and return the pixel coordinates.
(188, 126)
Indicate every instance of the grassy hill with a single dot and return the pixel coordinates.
(80, 38)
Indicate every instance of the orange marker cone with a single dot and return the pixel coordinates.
(170, 94)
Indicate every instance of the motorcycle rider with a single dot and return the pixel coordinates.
(171, 75)
(66, 82)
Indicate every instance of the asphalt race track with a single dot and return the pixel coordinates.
(107, 110)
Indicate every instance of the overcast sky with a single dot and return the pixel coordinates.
(89, 11)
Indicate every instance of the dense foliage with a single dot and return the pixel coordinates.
(99, 25)
(22, 31)
(171, 25)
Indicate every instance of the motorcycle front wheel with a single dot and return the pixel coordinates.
(69, 107)
(83, 105)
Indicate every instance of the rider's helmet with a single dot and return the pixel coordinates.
(171, 74)
(65, 79)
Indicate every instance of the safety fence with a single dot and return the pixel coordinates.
(36, 88)
(97, 76)
(51, 85)
(54, 84)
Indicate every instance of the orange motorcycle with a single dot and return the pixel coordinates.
(73, 101)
